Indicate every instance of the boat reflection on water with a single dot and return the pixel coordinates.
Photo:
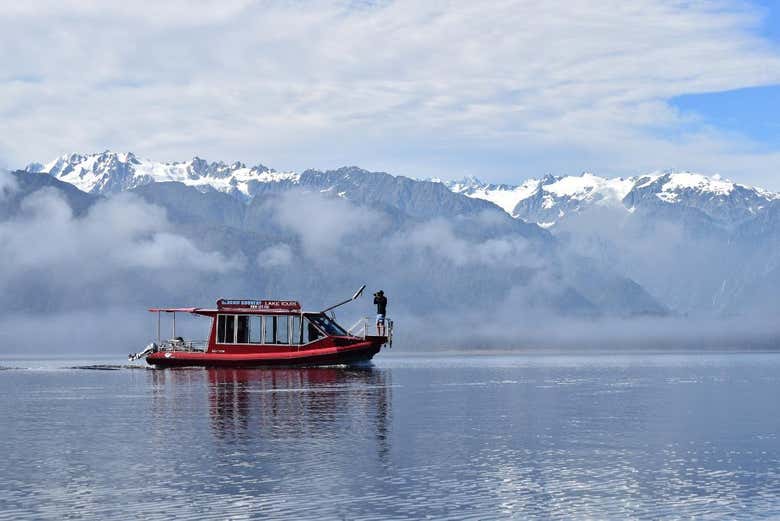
(307, 403)
(280, 403)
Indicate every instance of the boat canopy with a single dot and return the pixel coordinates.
(239, 306)
(174, 310)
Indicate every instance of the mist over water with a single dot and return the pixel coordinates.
(468, 437)
(115, 332)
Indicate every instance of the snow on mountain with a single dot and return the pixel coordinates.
(547, 200)
(699, 244)
(543, 201)
(505, 196)
(694, 242)
(721, 200)
(111, 172)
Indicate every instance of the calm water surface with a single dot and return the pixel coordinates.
(482, 437)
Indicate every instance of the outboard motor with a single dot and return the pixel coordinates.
(151, 348)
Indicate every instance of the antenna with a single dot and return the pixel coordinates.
(354, 297)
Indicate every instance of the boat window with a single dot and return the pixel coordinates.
(295, 320)
(230, 321)
(282, 330)
(327, 325)
(269, 330)
(242, 329)
(310, 331)
(221, 329)
(226, 329)
(255, 329)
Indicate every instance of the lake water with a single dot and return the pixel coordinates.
(606, 436)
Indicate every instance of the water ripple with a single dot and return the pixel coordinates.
(657, 439)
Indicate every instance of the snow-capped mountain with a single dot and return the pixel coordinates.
(547, 200)
(694, 243)
(432, 248)
(699, 244)
(111, 172)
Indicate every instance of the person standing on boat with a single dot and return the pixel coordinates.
(381, 310)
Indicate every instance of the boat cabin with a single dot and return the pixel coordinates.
(240, 325)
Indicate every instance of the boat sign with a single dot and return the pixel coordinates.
(287, 305)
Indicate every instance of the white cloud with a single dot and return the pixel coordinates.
(7, 184)
(410, 87)
(437, 239)
(325, 224)
(275, 256)
(47, 244)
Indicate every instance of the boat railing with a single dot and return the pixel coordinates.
(176, 344)
(366, 327)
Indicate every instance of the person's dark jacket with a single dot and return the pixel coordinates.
(381, 304)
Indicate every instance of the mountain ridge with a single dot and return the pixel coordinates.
(471, 253)
(112, 172)
(543, 201)
(695, 243)
(547, 200)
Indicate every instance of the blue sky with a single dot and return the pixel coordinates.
(751, 112)
(501, 90)
(770, 25)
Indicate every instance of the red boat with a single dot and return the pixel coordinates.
(247, 333)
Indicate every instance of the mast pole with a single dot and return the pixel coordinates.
(353, 297)
(158, 327)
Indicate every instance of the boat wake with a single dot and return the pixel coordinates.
(107, 367)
